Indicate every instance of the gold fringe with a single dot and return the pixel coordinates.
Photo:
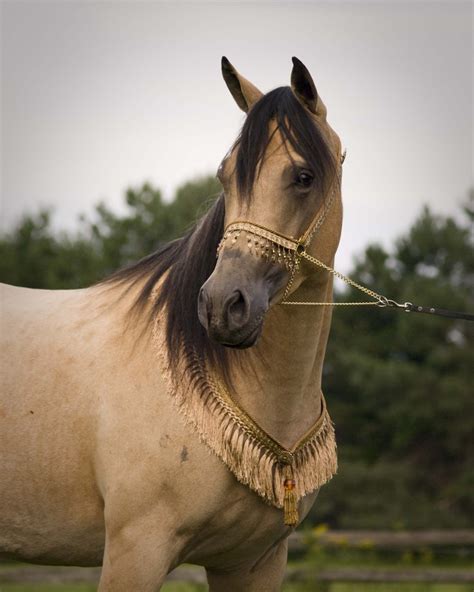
(222, 427)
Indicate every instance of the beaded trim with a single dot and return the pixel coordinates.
(255, 458)
(262, 242)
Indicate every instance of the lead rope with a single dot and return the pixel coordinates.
(378, 299)
(287, 251)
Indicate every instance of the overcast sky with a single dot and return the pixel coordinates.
(98, 96)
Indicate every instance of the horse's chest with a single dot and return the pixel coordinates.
(240, 527)
(211, 517)
(231, 524)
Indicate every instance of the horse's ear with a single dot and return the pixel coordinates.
(243, 91)
(304, 88)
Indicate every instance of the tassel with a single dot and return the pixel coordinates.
(290, 504)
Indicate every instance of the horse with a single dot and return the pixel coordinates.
(173, 412)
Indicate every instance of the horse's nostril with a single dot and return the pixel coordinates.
(237, 310)
(204, 312)
(237, 305)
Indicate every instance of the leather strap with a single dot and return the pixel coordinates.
(441, 312)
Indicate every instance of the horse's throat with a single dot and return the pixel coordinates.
(278, 382)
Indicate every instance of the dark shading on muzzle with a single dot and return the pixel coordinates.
(233, 301)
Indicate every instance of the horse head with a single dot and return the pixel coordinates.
(281, 181)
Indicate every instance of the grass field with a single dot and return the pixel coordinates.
(18, 577)
(179, 587)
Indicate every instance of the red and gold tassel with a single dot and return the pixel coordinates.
(290, 503)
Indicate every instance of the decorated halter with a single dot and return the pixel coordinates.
(289, 252)
(277, 247)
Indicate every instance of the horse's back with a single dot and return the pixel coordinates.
(37, 344)
(48, 419)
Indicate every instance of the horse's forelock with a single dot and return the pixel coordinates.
(298, 130)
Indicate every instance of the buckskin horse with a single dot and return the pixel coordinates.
(173, 412)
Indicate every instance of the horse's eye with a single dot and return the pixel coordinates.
(304, 179)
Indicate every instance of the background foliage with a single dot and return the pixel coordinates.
(398, 384)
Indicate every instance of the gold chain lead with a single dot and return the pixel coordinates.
(379, 300)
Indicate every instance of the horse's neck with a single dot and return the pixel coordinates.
(279, 381)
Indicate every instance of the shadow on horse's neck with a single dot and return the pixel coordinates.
(278, 381)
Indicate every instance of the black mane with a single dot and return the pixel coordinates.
(184, 264)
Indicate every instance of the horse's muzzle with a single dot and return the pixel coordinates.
(233, 301)
(232, 319)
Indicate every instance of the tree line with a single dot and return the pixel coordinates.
(398, 385)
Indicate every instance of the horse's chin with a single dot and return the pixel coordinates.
(237, 341)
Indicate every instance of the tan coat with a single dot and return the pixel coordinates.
(97, 467)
